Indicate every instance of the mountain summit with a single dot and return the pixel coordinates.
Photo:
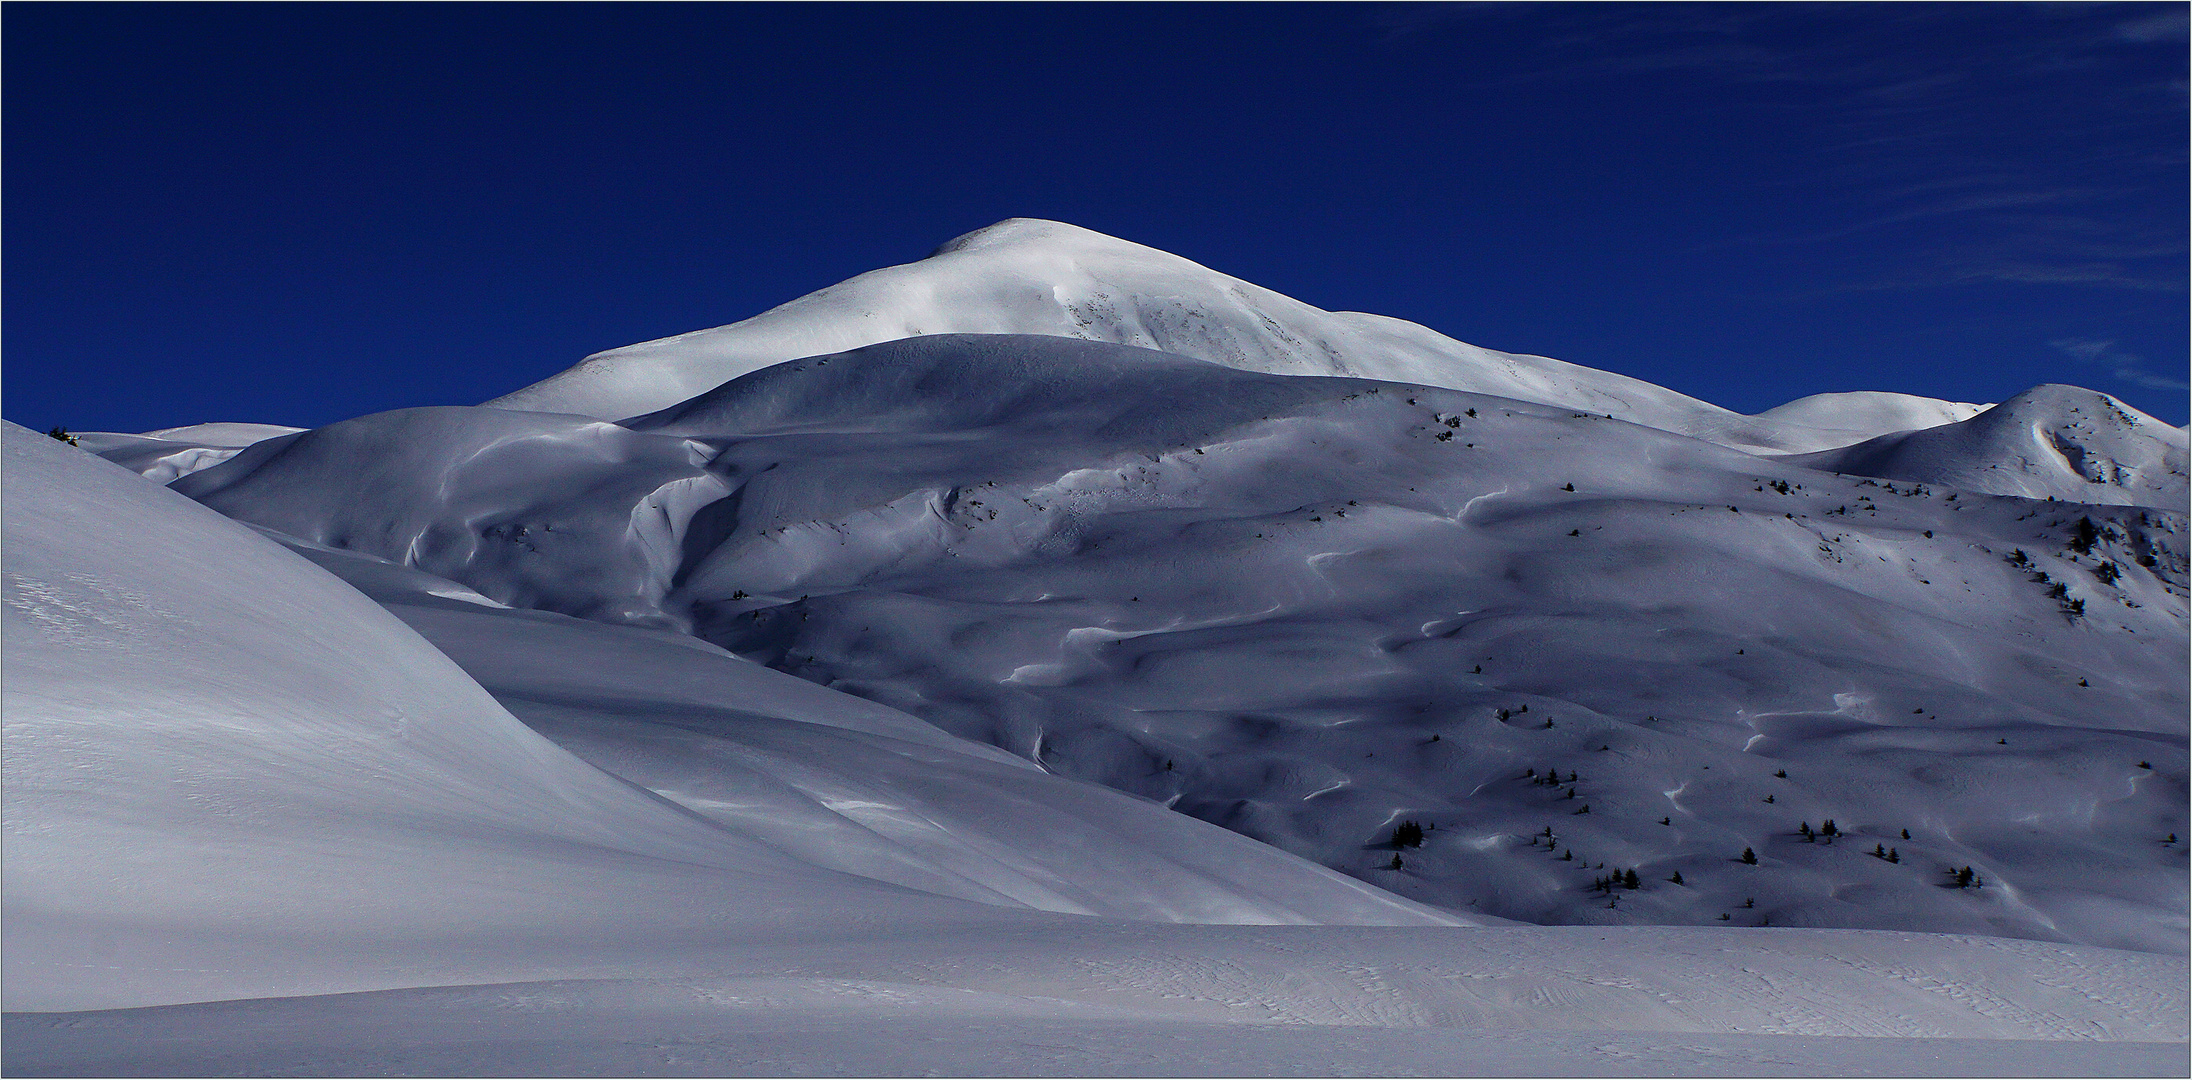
(1028, 276)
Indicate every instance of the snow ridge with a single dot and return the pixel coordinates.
(1028, 276)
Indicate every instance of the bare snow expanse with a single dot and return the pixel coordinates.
(1317, 695)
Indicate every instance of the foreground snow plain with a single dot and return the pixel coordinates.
(454, 756)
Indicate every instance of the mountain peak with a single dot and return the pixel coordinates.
(1023, 232)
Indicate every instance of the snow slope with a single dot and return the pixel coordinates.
(2050, 442)
(853, 786)
(171, 452)
(234, 781)
(1140, 999)
(1309, 609)
(1871, 412)
(228, 774)
(1027, 276)
(222, 757)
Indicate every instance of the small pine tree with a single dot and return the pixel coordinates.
(1750, 858)
(1906, 834)
(63, 435)
(1964, 877)
(1804, 830)
(1828, 829)
(1395, 865)
(1629, 880)
(1677, 878)
(2082, 540)
(1894, 856)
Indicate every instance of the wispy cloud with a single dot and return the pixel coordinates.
(2170, 25)
(1941, 132)
(2129, 367)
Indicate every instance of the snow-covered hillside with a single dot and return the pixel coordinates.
(1054, 656)
(1026, 276)
(2050, 442)
(208, 738)
(234, 780)
(1310, 609)
(172, 452)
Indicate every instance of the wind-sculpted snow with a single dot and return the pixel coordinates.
(2050, 442)
(169, 453)
(1313, 609)
(1027, 276)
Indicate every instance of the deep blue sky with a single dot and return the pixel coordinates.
(296, 215)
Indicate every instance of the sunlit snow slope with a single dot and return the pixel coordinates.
(2050, 442)
(1311, 609)
(1026, 276)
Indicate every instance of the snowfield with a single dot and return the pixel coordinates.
(1055, 657)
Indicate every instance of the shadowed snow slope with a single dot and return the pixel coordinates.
(229, 774)
(1310, 609)
(219, 755)
(234, 781)
(854, 786)
(1026, 276)
(2059, 442)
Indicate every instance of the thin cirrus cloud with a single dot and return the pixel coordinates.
(2171, 25)
(2129, 367)
(1938, 131)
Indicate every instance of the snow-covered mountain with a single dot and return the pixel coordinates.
(201, 724)
(1026, 276)
(2050, 442)
(234, 781)
(1056, 637)
(1309, 609)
